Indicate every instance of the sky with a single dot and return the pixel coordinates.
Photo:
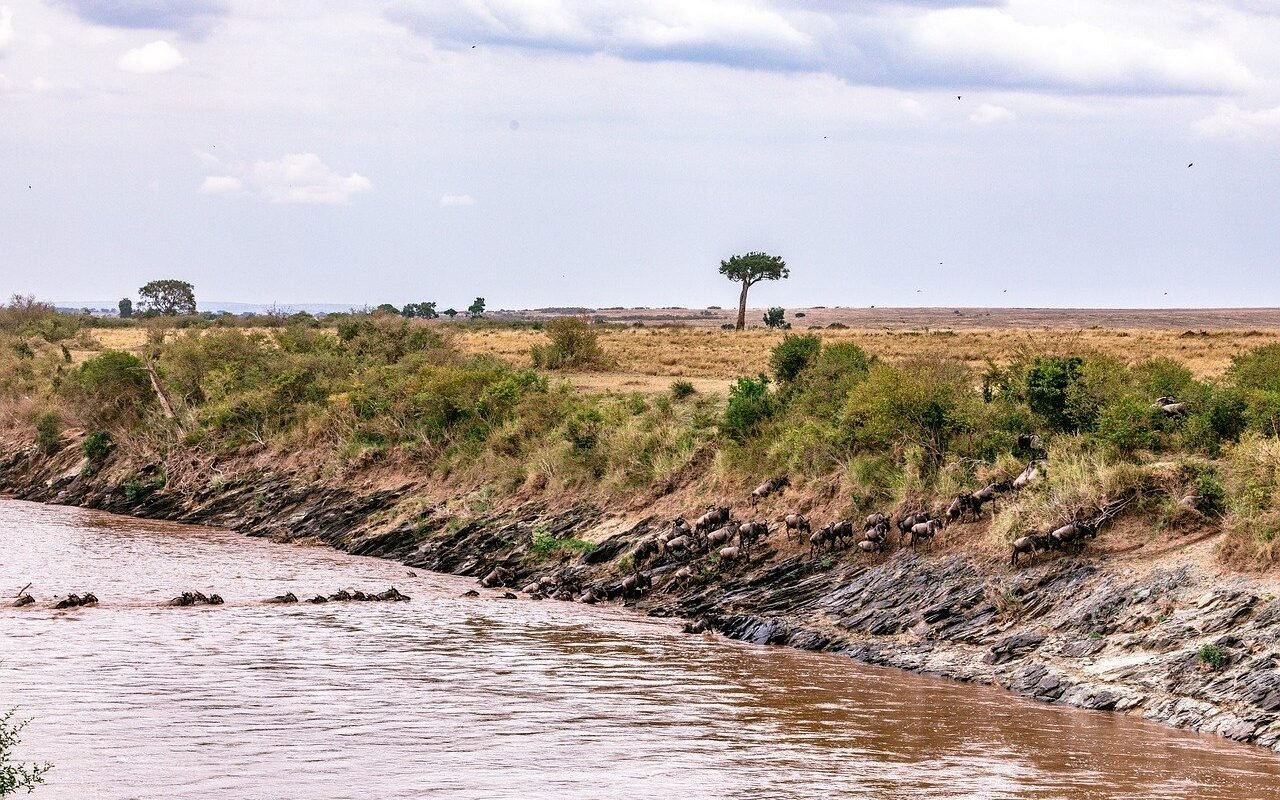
(611, 153)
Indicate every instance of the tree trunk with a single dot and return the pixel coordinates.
(742, 307)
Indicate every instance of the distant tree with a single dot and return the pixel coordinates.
(126, 308)
(387, 308)
(419, 310)
(776, 318)
(450, 313)
(167, 298)
(476, 309)
(749, 270)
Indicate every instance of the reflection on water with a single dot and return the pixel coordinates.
(481, 698)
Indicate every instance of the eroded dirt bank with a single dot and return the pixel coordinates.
(1122, 634)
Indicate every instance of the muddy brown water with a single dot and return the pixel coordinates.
(456, 697)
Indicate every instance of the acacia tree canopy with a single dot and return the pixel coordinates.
(750, 269)
(167, 298)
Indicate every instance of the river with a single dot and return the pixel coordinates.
(457, 697)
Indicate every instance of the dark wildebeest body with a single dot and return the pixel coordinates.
(1070, 537)
(924, 532)
(1030, 545)
(749, 534)
(498, 576)
(771, 486)
(798, 523)
(720, 537)
(715, 517)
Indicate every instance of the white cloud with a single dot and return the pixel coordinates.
(300, 178)
(1230, 121)
(447, 200)
(221, 184)
(902, 44)
(987, 114)
(988, 45)
(152, 58)
(6, 28)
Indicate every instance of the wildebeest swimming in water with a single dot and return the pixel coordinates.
(24, 599)
(284, 599)
(77, 601)
(196, 599)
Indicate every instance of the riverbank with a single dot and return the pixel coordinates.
(1170, 638)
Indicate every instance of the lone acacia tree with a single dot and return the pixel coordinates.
(749, 270)
(168, 298)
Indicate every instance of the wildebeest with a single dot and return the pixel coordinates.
(1028, 476)
(24, 599)
(798, 523)
(771, 486)
(750, 533)
(963, 504)
(1070, 537)
(925, 532)
(196, 599)
(636, 584)
(681, 576)
(874, 520)
(498, 576)
(1029, 444)
(730, 554)
(723, 536)
(284, 599)
(908, 522)
(986, 494)
(76, 601)
(681, 545)
(1170, 406)
(1031, 544)
(822, 537)
(645, 550)
(842, 530)
(875, 538)
(715, 516)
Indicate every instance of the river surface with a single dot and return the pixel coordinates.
(447, 696)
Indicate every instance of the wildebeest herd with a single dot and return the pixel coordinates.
(198, 598)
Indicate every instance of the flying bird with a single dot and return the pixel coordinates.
(957, 97)
(1189, 165)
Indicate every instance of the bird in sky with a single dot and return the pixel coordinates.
(957, 97)
(1189, 165)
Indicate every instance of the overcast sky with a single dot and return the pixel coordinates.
(611, 152)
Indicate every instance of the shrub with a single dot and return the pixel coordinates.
(1125, 425)
(16, 776)
(544, 544)
(682, 389)
(1049, 385)
(112, 388)
(750, 405)
(925, 403)
(573, 345)
(776, 317)
(1212, 656)
(48, 432)
(793, 354)
(1257, 369)
(97, 446)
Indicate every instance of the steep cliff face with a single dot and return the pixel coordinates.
(1170, 639)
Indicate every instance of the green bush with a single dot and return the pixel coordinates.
(48, 432)
(109, 389)
(1212, 656)
(1257, 369)
(1125, 425)
(97, 446)
(793, 354)
(15, 775)
(924, 403)
(682, 389)
(750, 405)
(1050, 382)
(573, 345)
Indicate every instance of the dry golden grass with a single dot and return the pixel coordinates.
(649, 359)
(724, 355)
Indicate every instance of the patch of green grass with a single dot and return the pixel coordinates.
(1212, 656)
(547, 545)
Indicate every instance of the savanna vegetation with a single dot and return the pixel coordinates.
(864, 427)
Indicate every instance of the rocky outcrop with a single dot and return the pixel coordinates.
(1183, 646)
